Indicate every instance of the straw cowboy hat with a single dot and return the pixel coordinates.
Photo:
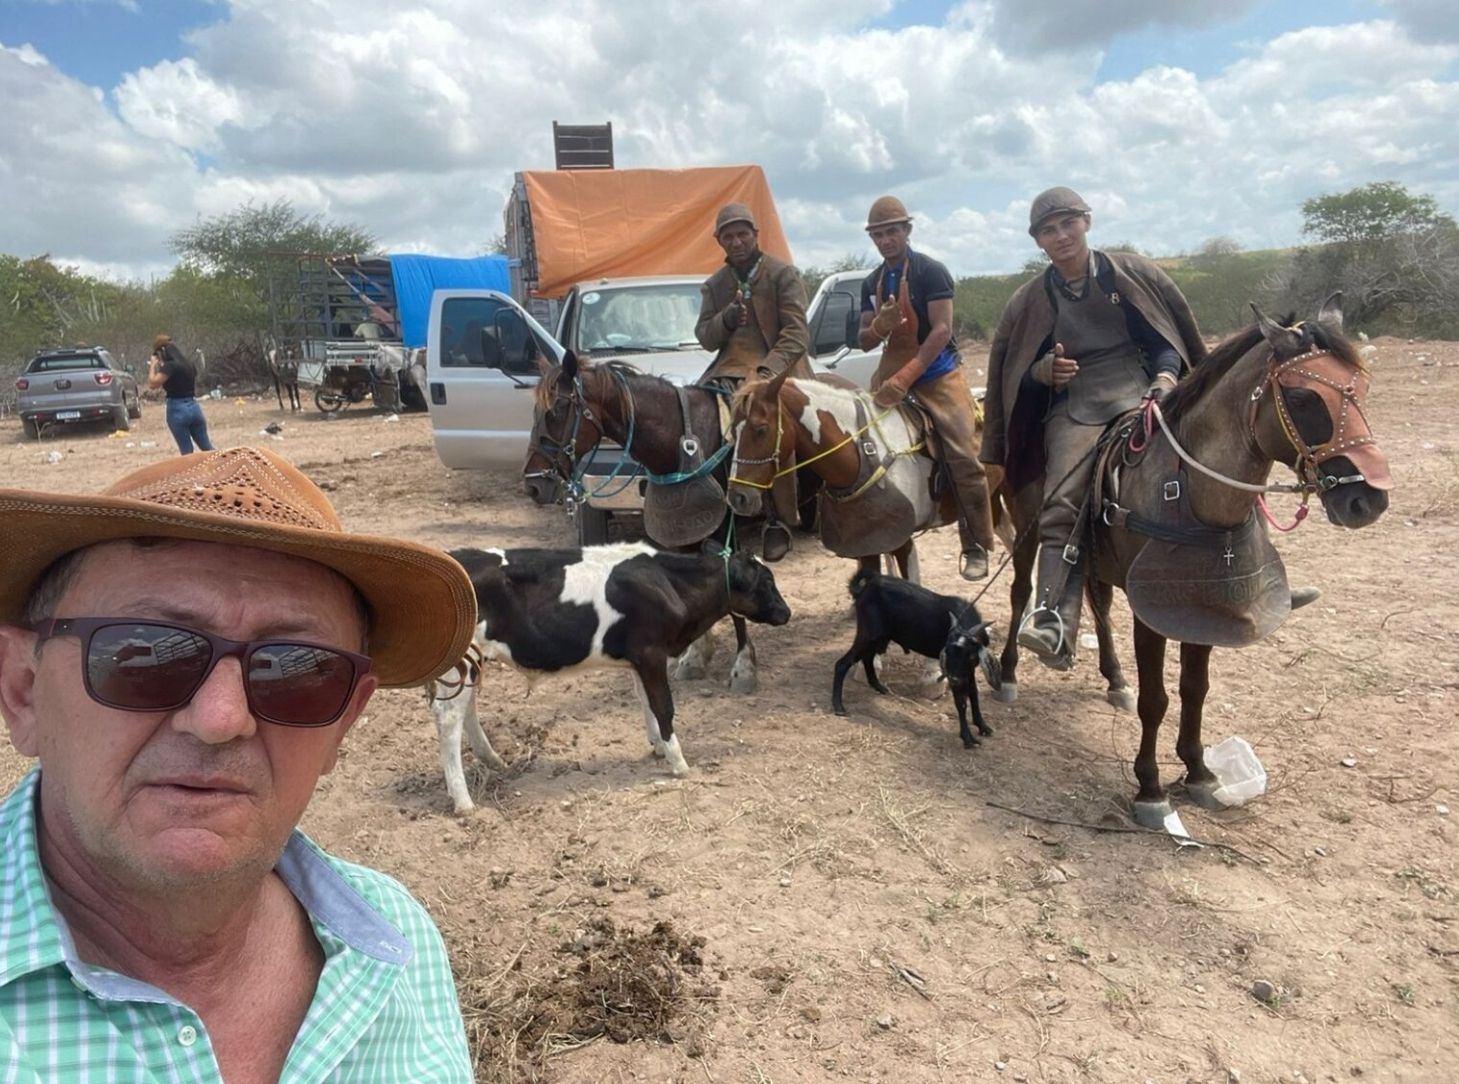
(422, 608)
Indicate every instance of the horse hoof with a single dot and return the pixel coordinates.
(692, 671)
(743, 684)
(1204, 794)
(1122, 698)
(1152, 814)
(1007, 693)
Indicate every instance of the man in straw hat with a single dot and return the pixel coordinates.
(1075, 347)
(906, 306)
(752, 313)
(183, 654)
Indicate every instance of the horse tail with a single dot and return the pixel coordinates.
(859, 580)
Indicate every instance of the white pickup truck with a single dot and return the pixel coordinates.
(482, 350)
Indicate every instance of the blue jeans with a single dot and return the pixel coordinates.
(185, 419)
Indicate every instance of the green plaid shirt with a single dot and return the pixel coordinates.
(385, 1008)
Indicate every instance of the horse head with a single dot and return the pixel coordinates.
(564, 429)
(760, 447)
(1310, 412)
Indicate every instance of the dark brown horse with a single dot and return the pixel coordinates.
(579, 405)
(1177, 526)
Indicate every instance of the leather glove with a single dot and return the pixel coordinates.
(1160, 387)
(735, 316)
(890, 393)
(887, 319)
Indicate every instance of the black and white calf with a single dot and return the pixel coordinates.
(943, 627)
(628, 605)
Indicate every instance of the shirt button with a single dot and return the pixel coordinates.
(187, 1035)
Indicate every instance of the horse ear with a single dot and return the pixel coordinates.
(1329, 317)
(546, 367)
(778, 380)
(1283, 340)
(570, 365)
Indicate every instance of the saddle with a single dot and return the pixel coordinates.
(687, 507)
(868, 517)
(1190, 582)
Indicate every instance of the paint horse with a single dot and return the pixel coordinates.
(1177, 501)
(578, 405)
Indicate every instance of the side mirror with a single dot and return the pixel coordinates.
(853, 330)
(514, 342)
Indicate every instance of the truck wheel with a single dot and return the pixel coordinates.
(135, 411)
(120, 419)
(31, 427)
(592, 525)
(329, 401)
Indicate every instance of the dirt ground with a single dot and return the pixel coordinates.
(828, 899)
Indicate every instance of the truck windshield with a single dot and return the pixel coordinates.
(639, 317)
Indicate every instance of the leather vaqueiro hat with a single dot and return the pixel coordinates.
(421, 605)
(1054, 201)
(886, 211)
(731, 213)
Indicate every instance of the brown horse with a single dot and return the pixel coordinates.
(579, 405)
(1177, 528)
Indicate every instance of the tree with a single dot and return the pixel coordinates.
(497, 246)
(1216, 247)
(1373, 212)
(245, 243)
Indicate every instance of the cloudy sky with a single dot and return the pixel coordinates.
(1179, 120)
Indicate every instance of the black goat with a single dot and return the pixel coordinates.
(943, 627)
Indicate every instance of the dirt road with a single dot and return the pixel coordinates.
(841, 899)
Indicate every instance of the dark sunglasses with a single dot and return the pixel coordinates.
(152, 666)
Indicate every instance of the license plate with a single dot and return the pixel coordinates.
(67, 415)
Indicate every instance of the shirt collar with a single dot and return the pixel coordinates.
(36, 936)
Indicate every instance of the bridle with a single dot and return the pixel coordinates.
(773, 458)
(1301, 371)
(1312, 371)
(567, 467)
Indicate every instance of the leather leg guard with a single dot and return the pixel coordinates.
(1051, 630)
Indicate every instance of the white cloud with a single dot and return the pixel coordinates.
(413, 124)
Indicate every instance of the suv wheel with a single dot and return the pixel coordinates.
(121, 419)
(135, 411)
(31, 427)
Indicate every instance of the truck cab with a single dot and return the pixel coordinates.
(483, 348)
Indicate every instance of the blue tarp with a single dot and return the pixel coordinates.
(417, 277)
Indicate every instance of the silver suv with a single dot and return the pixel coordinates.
(77, 385)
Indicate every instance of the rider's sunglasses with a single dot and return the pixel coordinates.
(154, 666)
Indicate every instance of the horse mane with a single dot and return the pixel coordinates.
(1209, 372)
(545, 392)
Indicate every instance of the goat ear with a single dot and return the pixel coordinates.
(1283, 340)
(951, 623)
(1329, 317)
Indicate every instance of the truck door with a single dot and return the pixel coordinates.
(482, 352)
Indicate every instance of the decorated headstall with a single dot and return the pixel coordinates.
(561, 450)
(1342, 386)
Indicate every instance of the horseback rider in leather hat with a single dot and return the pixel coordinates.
(752, 313)
(1077, 346)
(906, 307)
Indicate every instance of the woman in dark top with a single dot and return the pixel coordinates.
(170, 370)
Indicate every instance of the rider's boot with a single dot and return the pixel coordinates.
(776, 541)
(1301, 596)
(1051, 631)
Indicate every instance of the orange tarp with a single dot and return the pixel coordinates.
(606, 223)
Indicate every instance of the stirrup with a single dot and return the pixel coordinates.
(1060, 658)
(973, 564)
